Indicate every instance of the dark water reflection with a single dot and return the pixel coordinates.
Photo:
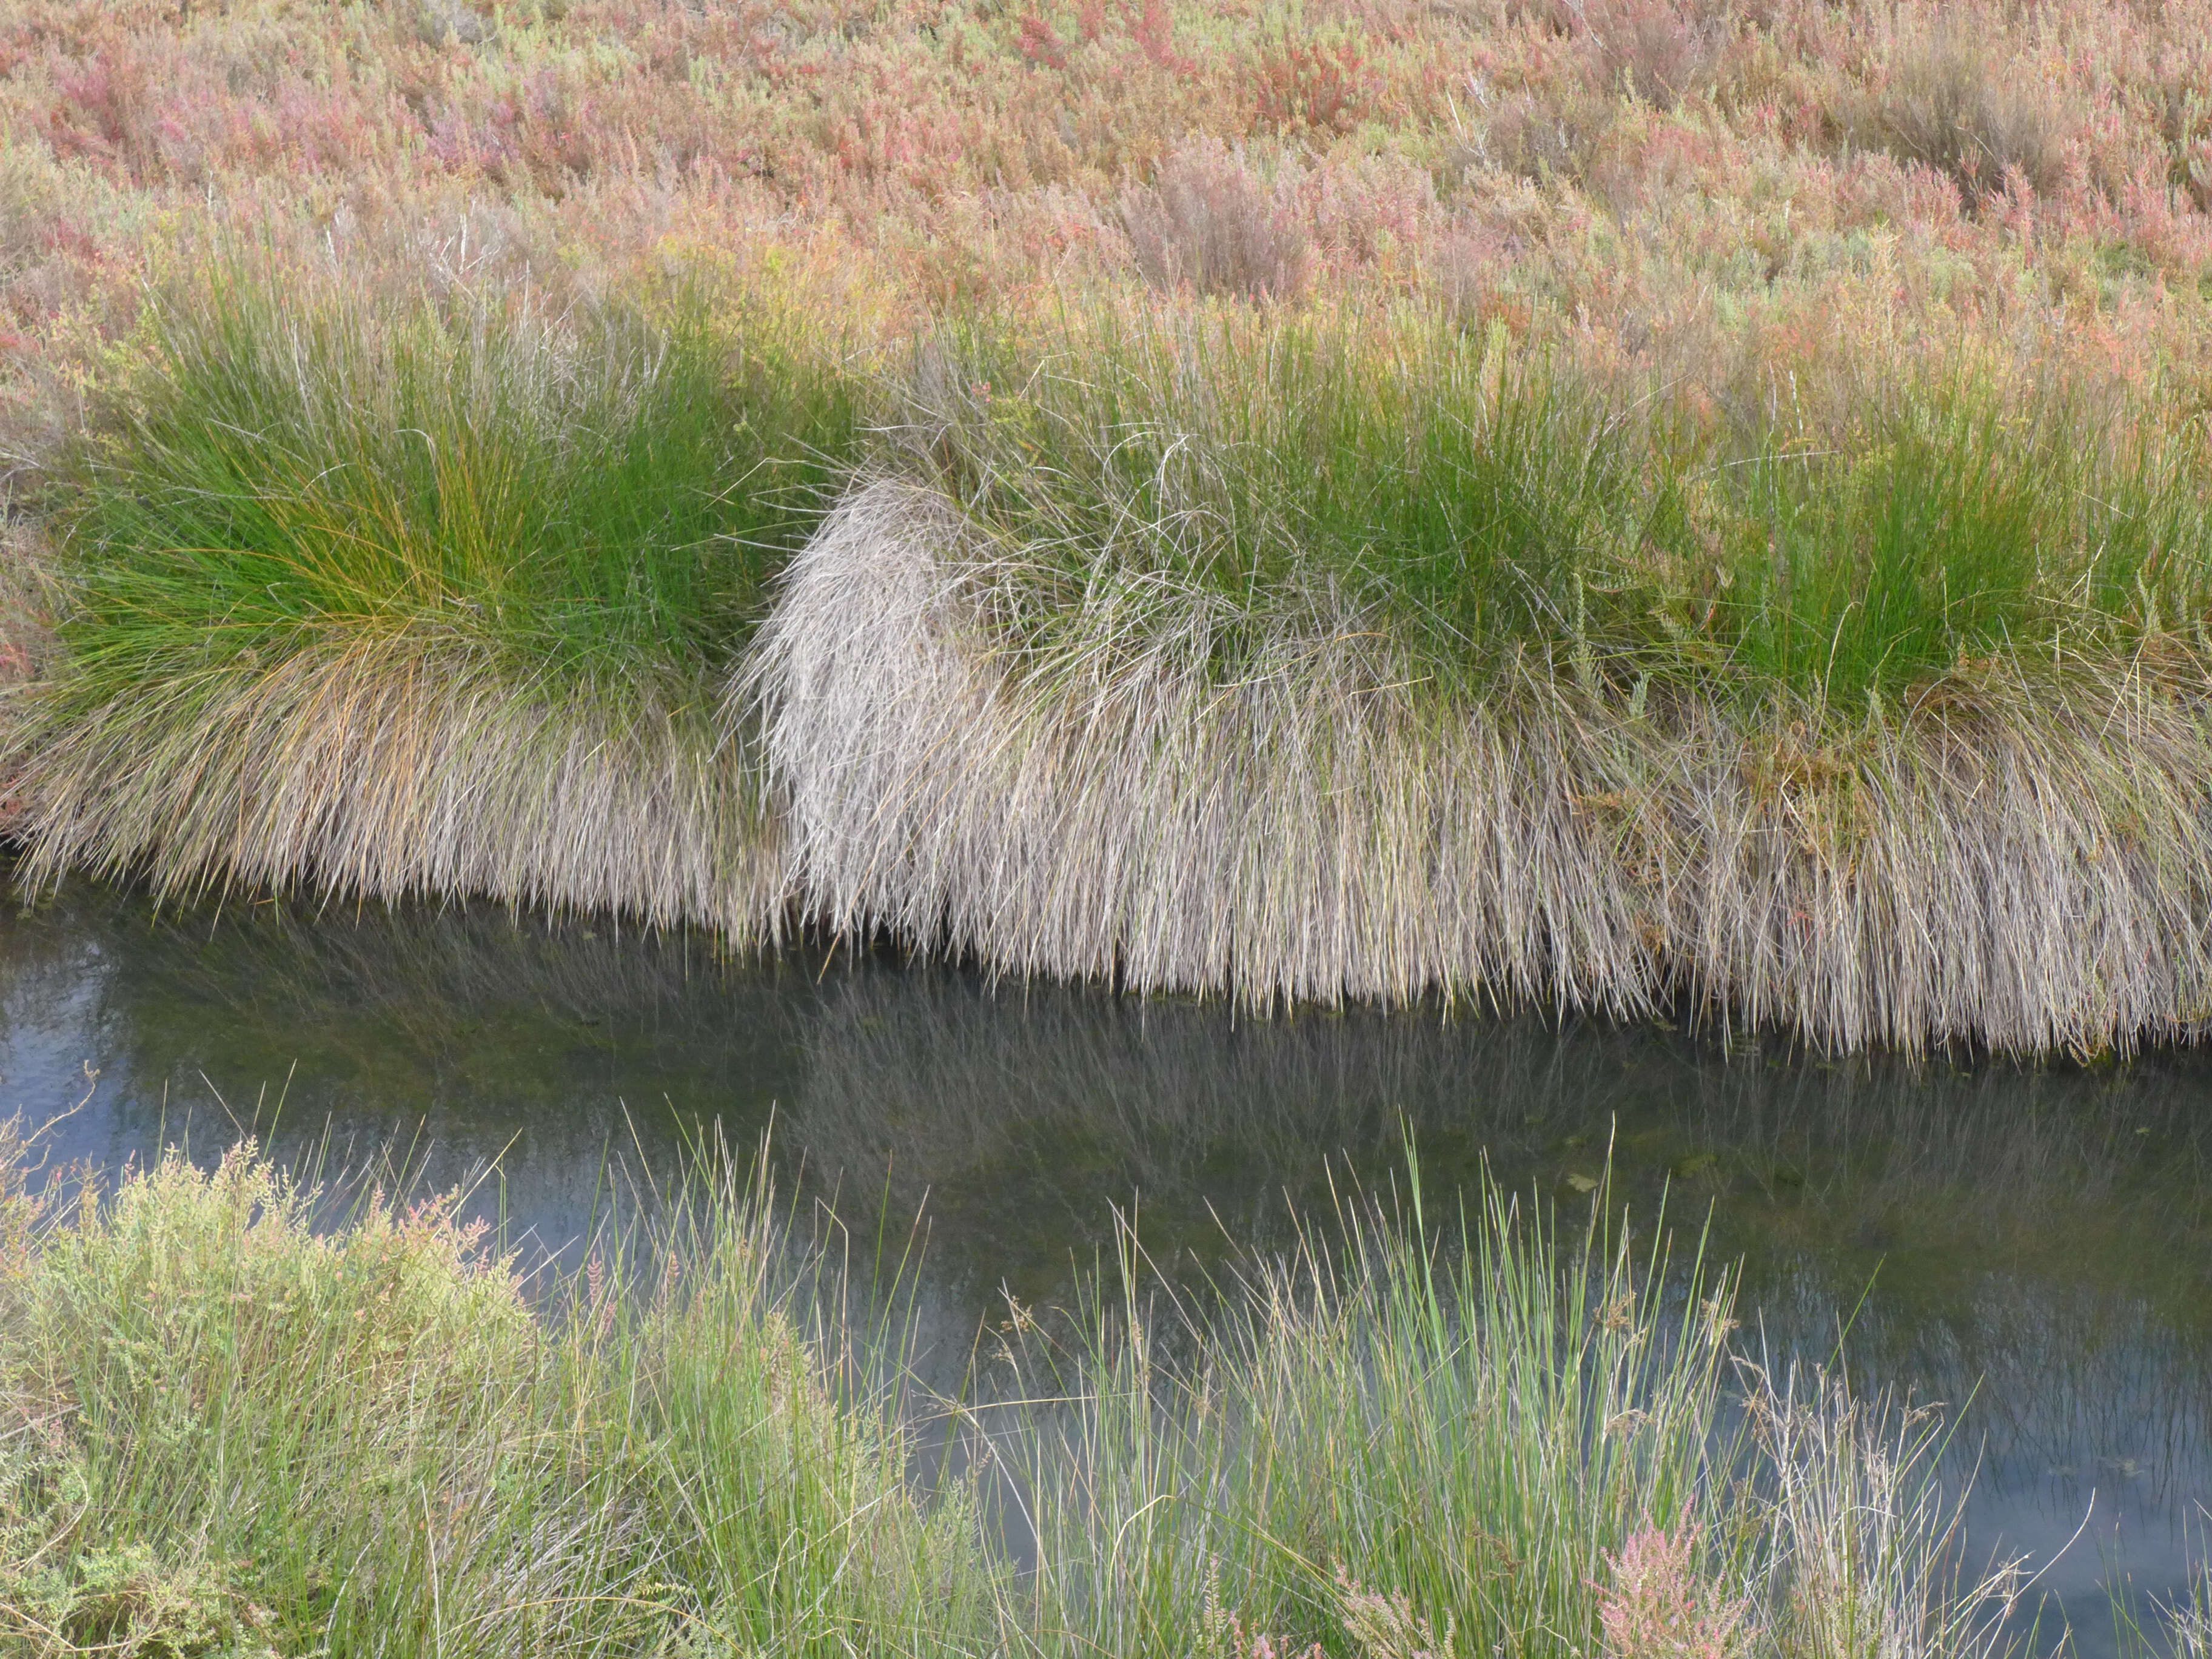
(2035, 1241)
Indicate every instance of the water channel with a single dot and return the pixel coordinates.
(2031, 1244)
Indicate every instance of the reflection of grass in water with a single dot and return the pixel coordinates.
(1011, 1110)
(2069, 1172)
(1975, 1200)
(2025, 1247)
(405, 1006)
(1073, 1099)
(956, 1090)
(237, 1431)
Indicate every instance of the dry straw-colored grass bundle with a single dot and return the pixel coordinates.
(2025, 865)
(391, 771)
(1131, 819)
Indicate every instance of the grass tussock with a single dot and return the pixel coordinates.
(1184, 643)
(2016, 864)
(1480, 505)
(427, 599)
(1387, 1448)
(241, 1423)
(1245, 656)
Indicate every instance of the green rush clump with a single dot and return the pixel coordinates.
(590, 499)
(1957, 527)
(1273, 472)
(1482, 503)
(245, 1415)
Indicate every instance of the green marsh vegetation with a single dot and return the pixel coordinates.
(1478, 502)
(1615, 506)
(249, 1416)
(596, 498)
(426, 592)
(1537, 1437)
(241, 1423)
(1185, 644)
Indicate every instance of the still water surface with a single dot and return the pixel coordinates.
(2033, 1245)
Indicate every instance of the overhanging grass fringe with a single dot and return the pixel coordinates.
(395, 772)
(2022, 862)
(1286, 660)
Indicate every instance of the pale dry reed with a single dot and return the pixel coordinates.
(1871, 1564)
(381, 770)
(2019, 858)
(2192, 1619)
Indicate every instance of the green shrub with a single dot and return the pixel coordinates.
(231, 1432)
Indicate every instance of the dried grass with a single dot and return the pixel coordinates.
(2021, 861)
(1948, 104)
(1208, 224)
(387, 771)
(2192, 1619)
